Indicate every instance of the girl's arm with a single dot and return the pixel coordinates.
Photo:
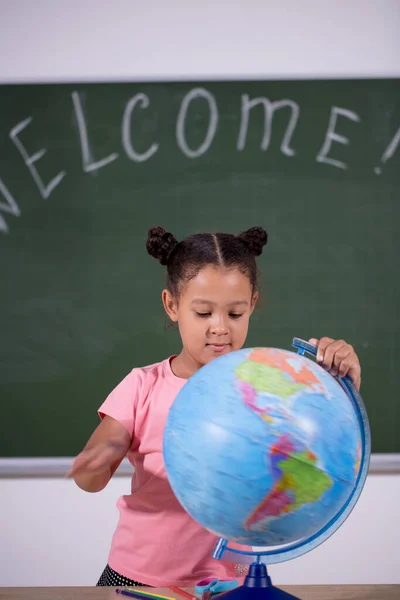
(94, 466)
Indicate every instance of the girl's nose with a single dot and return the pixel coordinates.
(219, 326)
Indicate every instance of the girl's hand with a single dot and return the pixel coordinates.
(97, 459)
(95, 465)
(339, 358)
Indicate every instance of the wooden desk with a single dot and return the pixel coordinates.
(305, 592)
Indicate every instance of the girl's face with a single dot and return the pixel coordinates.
(212, 312)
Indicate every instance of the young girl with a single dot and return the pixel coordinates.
(211, 292)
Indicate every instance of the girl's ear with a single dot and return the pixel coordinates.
(170, 305)
(254, 301)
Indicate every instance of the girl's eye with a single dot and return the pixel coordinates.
(208, 314)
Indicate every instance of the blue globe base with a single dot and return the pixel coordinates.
(258, 586)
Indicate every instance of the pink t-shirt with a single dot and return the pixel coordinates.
(156, 542)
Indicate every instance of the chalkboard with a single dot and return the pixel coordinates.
(85, 170)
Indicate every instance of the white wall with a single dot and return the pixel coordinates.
(127, 39)
(51, 532)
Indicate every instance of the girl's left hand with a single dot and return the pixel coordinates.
(339, 358)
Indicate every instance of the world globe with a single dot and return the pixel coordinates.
(264, 448)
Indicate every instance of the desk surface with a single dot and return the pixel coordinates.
(305, 592)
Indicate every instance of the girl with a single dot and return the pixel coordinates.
(211, 292)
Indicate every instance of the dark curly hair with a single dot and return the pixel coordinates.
(185, 259)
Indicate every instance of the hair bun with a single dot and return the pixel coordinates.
(255, 239)
(160, 244)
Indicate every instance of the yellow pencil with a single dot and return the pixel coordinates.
(150, 595)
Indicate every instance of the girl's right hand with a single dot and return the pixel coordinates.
(95, 465)
(97, 459)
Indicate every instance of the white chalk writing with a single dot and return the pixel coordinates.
(332, 136)
(198, 118)
(9, 206)
(181, 122)
(45, 190)
(269, 109)
(144, 102)
(390, 150)
(88, 163)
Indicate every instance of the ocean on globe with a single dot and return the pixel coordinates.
(262, 447)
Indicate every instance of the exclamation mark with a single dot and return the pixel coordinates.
(390, 150)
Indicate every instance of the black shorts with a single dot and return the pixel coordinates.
(112, 578)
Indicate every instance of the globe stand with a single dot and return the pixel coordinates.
(258, 586)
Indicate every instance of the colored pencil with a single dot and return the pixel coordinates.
(181, 592)
(130, 594)
(149, 594)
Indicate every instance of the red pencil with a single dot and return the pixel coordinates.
(181, 592)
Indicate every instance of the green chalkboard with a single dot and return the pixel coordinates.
(85, 170)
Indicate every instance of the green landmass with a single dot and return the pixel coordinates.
(308, 482)
(265, 378)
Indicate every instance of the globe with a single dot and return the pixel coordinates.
(263, 447)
